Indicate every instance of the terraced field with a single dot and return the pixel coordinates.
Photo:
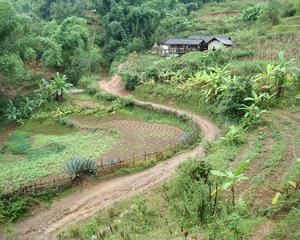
(273, 151)
(136, 137)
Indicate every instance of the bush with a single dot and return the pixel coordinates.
(90, 84)
(234, 98)
(108, 97)
(289, 10)
(235, 135)
(14, 208)
(78, 167)
(131, 81)
(252, 13)
(271, 13)
(186, 138)
(242, 53)
(191, 194)
(127, 101)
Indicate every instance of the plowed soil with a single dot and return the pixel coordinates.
(136, 137)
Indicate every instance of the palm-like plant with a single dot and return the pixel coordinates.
(284, 74)
(259, 102)
(276, 78)
(216, 84)
(231, 178)
(59, 86)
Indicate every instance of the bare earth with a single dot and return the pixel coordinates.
(86, 202)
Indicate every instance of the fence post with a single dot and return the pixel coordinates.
(101, 162)
(145, 156)
(133, 159)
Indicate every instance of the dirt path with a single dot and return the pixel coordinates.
(86, 202)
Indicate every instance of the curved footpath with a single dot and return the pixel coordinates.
(84, 203)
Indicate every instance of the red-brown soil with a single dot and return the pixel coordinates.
(136, 137)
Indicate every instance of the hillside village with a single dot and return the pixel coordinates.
(194, 43)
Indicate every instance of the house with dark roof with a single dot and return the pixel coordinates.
(195, 43)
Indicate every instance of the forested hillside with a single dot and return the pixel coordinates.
(76, 36)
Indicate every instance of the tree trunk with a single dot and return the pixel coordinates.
(233, 195)
(279, 92)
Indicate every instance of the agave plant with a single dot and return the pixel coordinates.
(78, 167)
(74, 167)
(89, 167)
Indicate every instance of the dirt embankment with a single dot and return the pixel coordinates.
(88, 201)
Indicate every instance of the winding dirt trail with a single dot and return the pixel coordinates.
(72, 209)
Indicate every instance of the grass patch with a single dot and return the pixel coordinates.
(288, 228)
(163, 94)
(277, 151)
(48, 154)
(18, 143)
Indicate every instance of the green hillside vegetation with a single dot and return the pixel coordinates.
(235, 87)
(245, 186)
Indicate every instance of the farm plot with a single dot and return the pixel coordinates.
(136, 137)
(38, 152)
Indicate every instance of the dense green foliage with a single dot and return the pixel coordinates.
(77, 36)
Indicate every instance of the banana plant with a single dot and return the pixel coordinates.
(59, 87)
(275, 78)
(231, 178)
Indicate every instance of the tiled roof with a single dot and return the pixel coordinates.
(183, 41)
(221, 38)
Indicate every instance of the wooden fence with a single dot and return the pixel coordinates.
(105, 166)
(63, 182)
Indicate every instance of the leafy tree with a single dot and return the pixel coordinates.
(8, 18)
(271, 13)
(12, 65)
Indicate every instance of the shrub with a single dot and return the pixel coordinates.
(234, 98)
(191, 194)
(127, 101)
(108, 97)
(78, 167)
(90, 84)
(289, 10)
(242, 53)
(252, 13)
(235, 135)
(186, 138)
(271, 13)
(131, 81)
